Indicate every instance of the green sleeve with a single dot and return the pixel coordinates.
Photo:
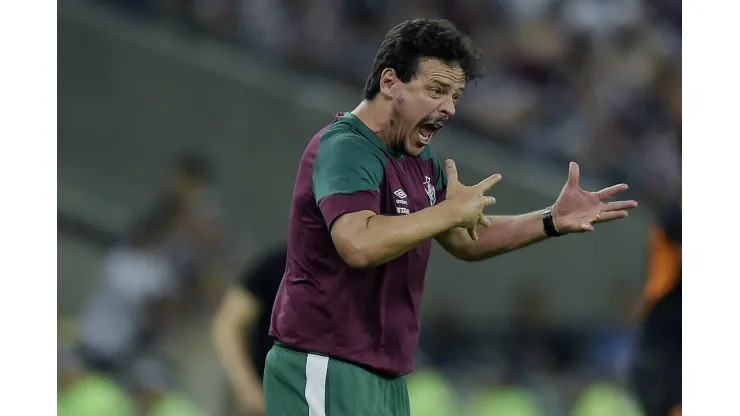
(441, 175)
(346, 164)
(440, 172)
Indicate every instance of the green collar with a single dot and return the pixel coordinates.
(370, 135)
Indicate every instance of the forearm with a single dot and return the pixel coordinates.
(506, 233)
(381, 238)
(233, 355)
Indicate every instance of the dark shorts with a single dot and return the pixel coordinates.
(301, 383)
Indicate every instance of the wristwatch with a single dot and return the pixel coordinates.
(549, 224)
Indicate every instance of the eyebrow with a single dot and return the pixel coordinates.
(447, 85)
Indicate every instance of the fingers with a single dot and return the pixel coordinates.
(483, 220)
(617, 211)
(619, 206)
(612, 215)
(451, 170)
(488, 183)
(488, 200)
(612, 191)
(574, 174)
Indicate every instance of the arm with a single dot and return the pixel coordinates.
(237, 313)
(506, 233)
(365, 239)
(346, 182)
(575, 211)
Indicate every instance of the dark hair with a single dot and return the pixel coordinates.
(409, 42)
(195, 166)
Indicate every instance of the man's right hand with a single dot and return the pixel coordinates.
(467, 202)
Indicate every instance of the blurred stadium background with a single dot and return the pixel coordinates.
(162, 98)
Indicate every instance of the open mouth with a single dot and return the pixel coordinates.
(427, 130)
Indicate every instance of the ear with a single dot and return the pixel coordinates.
(388, 79)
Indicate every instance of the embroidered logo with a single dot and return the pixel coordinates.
(431, 192)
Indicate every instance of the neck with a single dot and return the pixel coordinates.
(377, 117)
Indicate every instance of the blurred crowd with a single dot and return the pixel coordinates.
(153, 282)
(531, 365)
(598, 81)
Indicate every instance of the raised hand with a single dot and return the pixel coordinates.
(577, 210)
(468, 202)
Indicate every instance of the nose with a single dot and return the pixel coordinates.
(447, 107)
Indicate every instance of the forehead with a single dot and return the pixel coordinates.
(431, 70)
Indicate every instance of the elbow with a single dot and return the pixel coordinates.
(356, 254)
(358, 261)
(356, 249)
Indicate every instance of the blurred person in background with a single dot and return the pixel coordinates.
(203, 248)
(241, 328)
(536, 344)
(656, 373)
(541, 353)
(132, 303)
(84, 393)
(155, 393)
(196, 243)
(611, 346)
(369, 197)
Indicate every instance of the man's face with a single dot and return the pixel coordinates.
(422, 106)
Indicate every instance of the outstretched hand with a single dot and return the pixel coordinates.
(468, 201)
(577, 211)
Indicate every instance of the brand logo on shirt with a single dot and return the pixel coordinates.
(429, 188)
(401, 195)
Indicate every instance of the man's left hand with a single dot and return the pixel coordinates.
(576, 210)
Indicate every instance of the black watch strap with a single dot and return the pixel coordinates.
(549, 224)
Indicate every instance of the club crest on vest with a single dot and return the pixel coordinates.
(429, 188)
